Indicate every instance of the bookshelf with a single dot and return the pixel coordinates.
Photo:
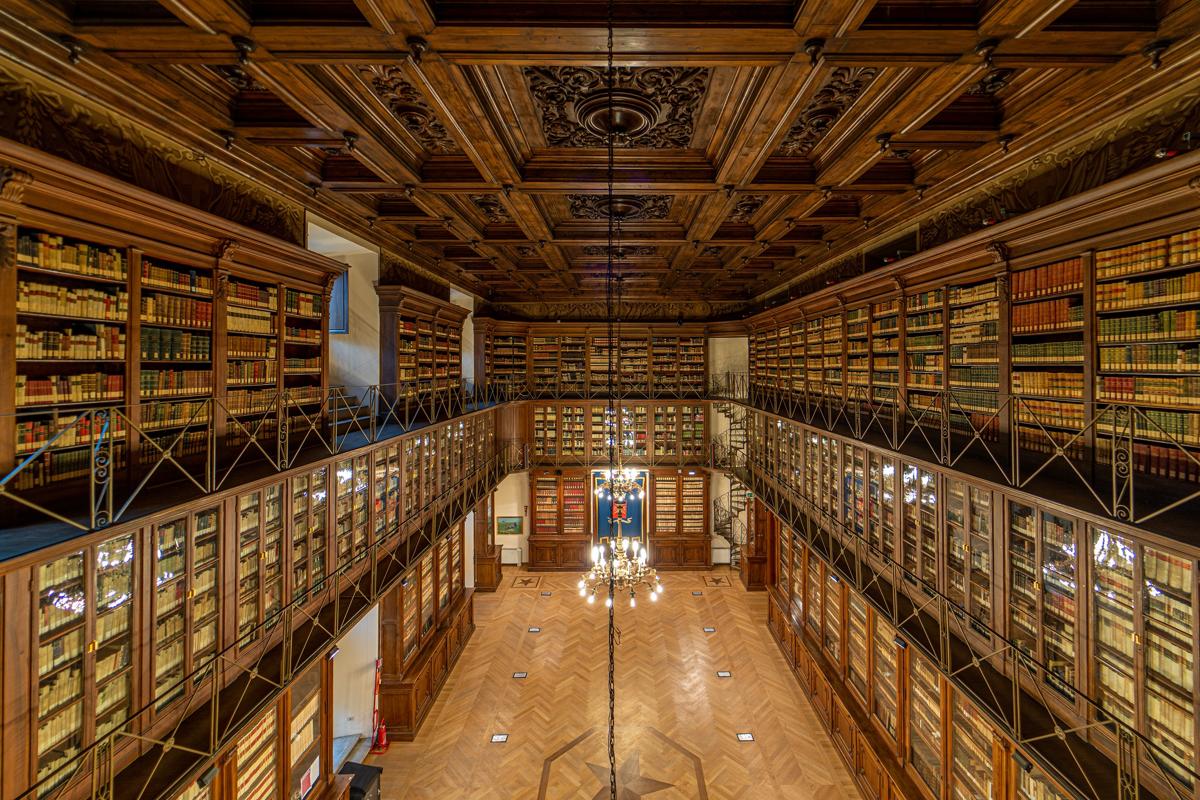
(304, 733)
(545, 431)
(259, 516)
(425, 567)
(831, 635)
(973, 362)
(351, 507)
(666, 432)
(886, 671)
(310, 530)
(420, 343)
(925, 722)
(885, 351)
(919, 517)
(972, 771)
(857, 645)
(386, 492)
(187, 602)
(666, 505)
(561, 509)
(257, 759)
(443, 574)
(882, 479)
(562, 360)
(968, 530)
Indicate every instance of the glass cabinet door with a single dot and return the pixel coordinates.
(853, 510)
(343, 506)
(113, 637)
(798, 577)
(814, 595)
(1168, 623)
(972, 774)
(260, 560)
(1058, 600)
(304, 733)
(411, 604)
(411, 495)
(1032, 784)
(925, 722)
(61, 622)
(170, 610)
(456, 560)
(856, 643)
(1022, 577)
(1113, 625)
(885, 686)
(968, 549)
(919, 539)
(830, 480)
(309, 504)
(206, 595)
(429, 459)
(256, 760)
(881, 504)
(443, 573)
(427, 579)
(832, 638)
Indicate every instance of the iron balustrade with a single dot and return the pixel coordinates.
(228, 692)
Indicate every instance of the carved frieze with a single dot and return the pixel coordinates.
(826, 107)
(492, 208)
(62, 124)
(627, 208)
(410, 108)
(652, 107)
(994, 81)
(747, 206)
(12, 183)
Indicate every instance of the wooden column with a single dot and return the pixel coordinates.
(487, 552)
(754, 553)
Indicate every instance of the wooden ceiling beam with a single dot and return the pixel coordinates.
(210, 16)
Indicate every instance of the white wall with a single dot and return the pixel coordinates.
(468, 332)
(354, 677)
(731, 354)
(512, 500)
(354, 356)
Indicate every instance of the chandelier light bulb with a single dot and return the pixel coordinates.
(654, 597)
(592, 598)
(608, 602)
(632, 601)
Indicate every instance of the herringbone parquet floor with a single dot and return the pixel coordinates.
(676, 720)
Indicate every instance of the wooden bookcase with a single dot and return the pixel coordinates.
(1108, 607)
(1036, 348)
(420, 343)
(651, 432)
(572, 360)
(172, 319)
(677, 520)
(561, 510)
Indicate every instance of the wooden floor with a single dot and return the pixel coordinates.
(676, 720)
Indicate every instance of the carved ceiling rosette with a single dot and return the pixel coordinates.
(746, 207)
(623, 251)
(410, 109)
(832, 100)
(492, 208)
(652, 107)
(626, 208)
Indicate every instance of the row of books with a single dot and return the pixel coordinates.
(172, 310)
(89, 387)
(980, 292)
(1170, 324)
(1067, 385)
(249, 320)
(1060, 277)
(1064, 352)
(176, 278)
(69, 431)
(1050, 413)
(303, 304)
(1181, 391)
(62, 301)
(1131, 258)
(1132, 294)
(249, 294)
(1048, 315)
(1166, 426)
(104, 342)
(251, 372)
(249, 347)
(46, 251)
(158, 383)
(1184, 248)
(1150, 357)
(307, 335)
(167, 344)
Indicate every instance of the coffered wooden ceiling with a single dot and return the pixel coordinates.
(763, 139)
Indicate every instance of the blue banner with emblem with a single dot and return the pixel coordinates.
(618, 518)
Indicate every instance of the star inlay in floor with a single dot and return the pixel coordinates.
(631, 783)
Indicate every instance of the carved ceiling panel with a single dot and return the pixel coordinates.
(652, 107)
(492, 208)
(827, 106)
(746, 207)
(627, 208)
(411, 110)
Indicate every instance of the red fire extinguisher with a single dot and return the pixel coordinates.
(380, 745)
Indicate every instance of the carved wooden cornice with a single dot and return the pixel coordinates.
(12, 183)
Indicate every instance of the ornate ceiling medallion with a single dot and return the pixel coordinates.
(410, 109)
(747, 206)
(492, 208)
(626, 208)
(845, 86)
(652, 107)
